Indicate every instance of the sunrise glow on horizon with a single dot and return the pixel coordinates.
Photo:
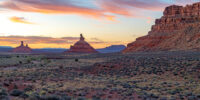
(58, 23)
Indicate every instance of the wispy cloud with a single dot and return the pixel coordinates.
(38, 39)
(52, 7)
(130, 7)
(19, 20)
(43, 40)
(101, 9)
(107, 9)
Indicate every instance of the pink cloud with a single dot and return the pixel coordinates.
(130, 7)
(106, 9)
(52, 7)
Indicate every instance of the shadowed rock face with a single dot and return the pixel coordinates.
(22, 48)
(81, 47)
(177, 29)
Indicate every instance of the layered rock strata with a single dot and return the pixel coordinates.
(178, 29)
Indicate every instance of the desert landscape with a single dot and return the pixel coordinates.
(115, 76)
(162, 65)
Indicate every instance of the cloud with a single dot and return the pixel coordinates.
(47, 40)
(101, 9)
(52, 7)
(38, 39)
(19, 20)
(131, 7)
(149, 19)
(106, 9)
(51, 42)
(99, 41)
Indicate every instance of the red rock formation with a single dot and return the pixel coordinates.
(81, 47)
(22, 48)
(177, 29)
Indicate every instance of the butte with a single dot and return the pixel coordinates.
(81, 47)
(22, 48)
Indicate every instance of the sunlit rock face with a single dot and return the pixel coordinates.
(22, 48)
(81, 47)
(178, 29)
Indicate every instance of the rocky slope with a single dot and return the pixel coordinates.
(178, 29)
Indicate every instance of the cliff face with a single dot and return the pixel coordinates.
(177, 29)
(81, 47)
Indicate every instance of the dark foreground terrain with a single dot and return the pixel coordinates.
(133, 76)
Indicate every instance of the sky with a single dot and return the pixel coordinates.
(58, 23)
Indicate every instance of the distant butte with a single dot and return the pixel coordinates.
(22, 48)
(81, 47)
(178, 29)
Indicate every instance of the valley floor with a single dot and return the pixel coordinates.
(115, 76)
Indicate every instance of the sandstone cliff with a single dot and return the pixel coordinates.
(178, 29)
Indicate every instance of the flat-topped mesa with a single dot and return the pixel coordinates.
(177, 29)
(188, 10)
(177, 17)
(81, 47)
(173, 10)
(22, 48)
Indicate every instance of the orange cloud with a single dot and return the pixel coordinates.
(43, 42)
(149, 20)
(20, 20)
(101, 9)
(52, 7)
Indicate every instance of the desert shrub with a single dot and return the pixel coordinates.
(16, 92)
(175, 73)
(15, 86)
(192, 98)
(28, 88)
(6, 84)
(172, 92)
(198, 95)
(76, 60)
(35, 96)
(95, 97)
(47, 61)
(81, 98)
(3, 94)
(163, 98)
(51, 97)
(66, 98)
(125, 85)
(61, 67)
(181, 97)
(172, 98)
(189, 94)
(24, 96)
(20, 62)
(28, 61)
